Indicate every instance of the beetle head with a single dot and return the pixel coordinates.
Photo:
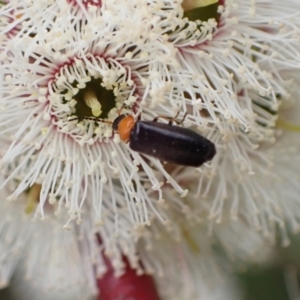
(116, 122)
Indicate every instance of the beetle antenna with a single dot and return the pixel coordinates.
(92, 119)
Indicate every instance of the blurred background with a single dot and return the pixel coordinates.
(276, 280)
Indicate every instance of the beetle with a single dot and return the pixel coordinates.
(168, 143)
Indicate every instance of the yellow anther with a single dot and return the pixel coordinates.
(18, 16)
(44, 130)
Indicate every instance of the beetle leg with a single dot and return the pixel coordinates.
(171, 120)
(179, 122)
(176, 115)
(121, 108)
(182, 119)
(163, 117)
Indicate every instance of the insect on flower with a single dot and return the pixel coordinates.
(168, 143)
(172, 144)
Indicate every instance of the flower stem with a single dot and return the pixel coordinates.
(129, 286)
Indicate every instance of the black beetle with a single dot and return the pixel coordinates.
(168, 143)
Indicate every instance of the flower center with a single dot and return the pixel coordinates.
(201, 10)
(85, 96)
(94, 100)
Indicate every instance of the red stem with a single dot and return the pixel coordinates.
(129, 286)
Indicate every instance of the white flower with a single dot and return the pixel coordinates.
(61, 74)
(70, 67)
(76, 159)
(45, 249)
(267, 198)
(189, 266)
(267, 195)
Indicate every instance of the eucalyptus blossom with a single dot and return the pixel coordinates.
(69, 68)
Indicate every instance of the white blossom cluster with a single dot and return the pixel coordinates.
(68, 68)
